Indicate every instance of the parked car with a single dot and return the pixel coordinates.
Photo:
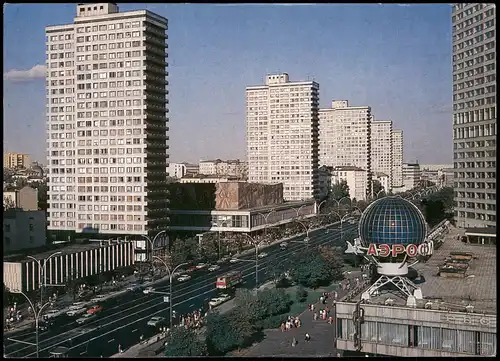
(262, 255)
(85, 318)
(234, 260)
(201, 265)
(183, 278)
(213, 268)
(75, 312)
(148, 289)
(156, 321)
(216, 301)
(94, 309)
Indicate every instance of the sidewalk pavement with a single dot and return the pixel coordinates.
(148, 347)
(277, 343)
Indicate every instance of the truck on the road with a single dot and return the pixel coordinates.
(229, 280)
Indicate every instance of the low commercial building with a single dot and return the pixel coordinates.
(177, 170)
(75, 261)
(23, 229)
(16, 160)
(232, 168)
(356, 179)
(25, 198)
(232, 207)
(457, 317)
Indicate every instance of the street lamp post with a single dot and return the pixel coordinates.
(152, 243)
(170, 276)
(37, 315)
(256, 245)
(42, 270)
(266, 216)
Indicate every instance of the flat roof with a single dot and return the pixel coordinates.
(478, 288)
(481, 231)
(67, 249)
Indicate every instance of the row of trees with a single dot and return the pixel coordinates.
(438, 206)
(235, 329)
(257, 311)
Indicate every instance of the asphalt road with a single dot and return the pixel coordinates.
(124, 319)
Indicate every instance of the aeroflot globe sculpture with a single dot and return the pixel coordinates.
(392, 220)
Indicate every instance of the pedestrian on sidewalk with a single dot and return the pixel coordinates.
(294, 342)
(141, 338)
(307, 337)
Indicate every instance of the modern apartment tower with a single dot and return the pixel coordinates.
(381, 148)
(345, 137)
(474, 114)
(282, 135)
(107, 122)
(397, 158)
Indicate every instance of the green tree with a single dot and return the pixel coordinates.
(361, 205)
(438, 206)
(42, 194)
(301, 294)
(334, 258)
(377, 187)
(340, 190)
(185, 342)
(228, 332)
(311, 270)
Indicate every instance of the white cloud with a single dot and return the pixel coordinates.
(15, 75)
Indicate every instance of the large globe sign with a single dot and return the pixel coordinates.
(391, 228)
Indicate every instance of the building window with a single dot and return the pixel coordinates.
(449, 340)
(393, 334)
(488, 344)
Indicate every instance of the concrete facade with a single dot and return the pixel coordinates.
(77, 261)
(474, 114)
(106, 121)
(177, 170)
(411, 175)
(282, 135)
(25, 198)
(397, 158)
(16, 160)
(345, 137)
(23, 229)
(381, 149)
(232, 168)
(356, 180)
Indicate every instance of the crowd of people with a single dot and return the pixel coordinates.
(195, 319)
(290, 323)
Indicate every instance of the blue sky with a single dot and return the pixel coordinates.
(396, 59)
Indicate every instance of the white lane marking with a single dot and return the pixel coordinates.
(320, 240)
(194, 297)
(191, 305)
(111, 340)
(200, 279)
(82, 353)
(135, 330)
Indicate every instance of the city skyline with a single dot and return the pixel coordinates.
(209, 70)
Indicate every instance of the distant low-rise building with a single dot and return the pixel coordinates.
(200, 178)
(411, 175)
(232, 168)
(23, 229)
(16, 160)
(355, 178)
(25, 198)
(446, 177)
(384, 179)
(177, 170)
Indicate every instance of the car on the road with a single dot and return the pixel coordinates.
(306, 239)
(201, 265)
(191, 269)
(213, 268)
(327, 230)
(262, 255)
(283, 245)
(44, 325)
(133, 287)
(156, 321)
(99, 298)
(148, 289)
(183, 278)
(94, 309)
(234, 260)
(77, 305)
(216, 301)
(85, 318)
(75, 312)
(51, 313)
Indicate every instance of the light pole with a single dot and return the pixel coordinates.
(266, 216)
(256, 245)
(42, 271)
(307, 230)
(219, 240)
(170, 276)
(349, 199)
(37, 315)
(152, 243)
(298, 210)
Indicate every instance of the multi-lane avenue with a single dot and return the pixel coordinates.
(124, 319)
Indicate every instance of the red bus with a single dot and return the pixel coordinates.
(229, 280)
